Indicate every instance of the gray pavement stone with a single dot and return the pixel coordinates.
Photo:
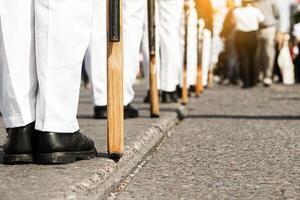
(92, 179)
(235, 144)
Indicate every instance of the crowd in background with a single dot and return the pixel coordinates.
(246, 42)
(261, 42)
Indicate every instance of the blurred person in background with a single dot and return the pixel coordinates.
(266, 39)
(220, 11)
(247, 20)
(296, 43)
(285, 8)
(229, 55)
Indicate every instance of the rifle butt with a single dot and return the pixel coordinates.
(115, 109)
(185, 97)
(210, 78)
(154, 97)
(199, 86)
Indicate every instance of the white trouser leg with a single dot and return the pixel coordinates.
(18, 81)
(182, 49)
(96, 55)
(63, 29)
(134, 17)
(192, 48)
(145, 50)
(95, 58)
(170, 17)
(157, 42)
(206, 55)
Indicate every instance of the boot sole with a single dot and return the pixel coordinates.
(10, 159)
(64, 157)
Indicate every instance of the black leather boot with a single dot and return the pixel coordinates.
(169, 97)
(192, 89)
(130, 112)
(147, 97)
(63, 148)
(100, 112)
(179, 92)
(18, 145)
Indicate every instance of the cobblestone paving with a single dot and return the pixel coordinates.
(235, 144)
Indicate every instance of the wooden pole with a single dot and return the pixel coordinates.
(184, 94)
(211, 69)
(199, 85)
(154, 97)
(211, 77)
(115, 110)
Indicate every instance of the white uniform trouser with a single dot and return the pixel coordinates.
(206, 55)
(145, 49)
(95, 61)
(18, 80)
(169, 27)
(134, 17)
(192, 55)
(62, 34)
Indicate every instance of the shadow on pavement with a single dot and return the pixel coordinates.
(176, 110)
(286, 98)
(249, 117)
(161, 109)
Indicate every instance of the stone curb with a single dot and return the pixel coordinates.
(101, 184)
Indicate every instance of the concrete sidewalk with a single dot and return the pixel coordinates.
(92, 179)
